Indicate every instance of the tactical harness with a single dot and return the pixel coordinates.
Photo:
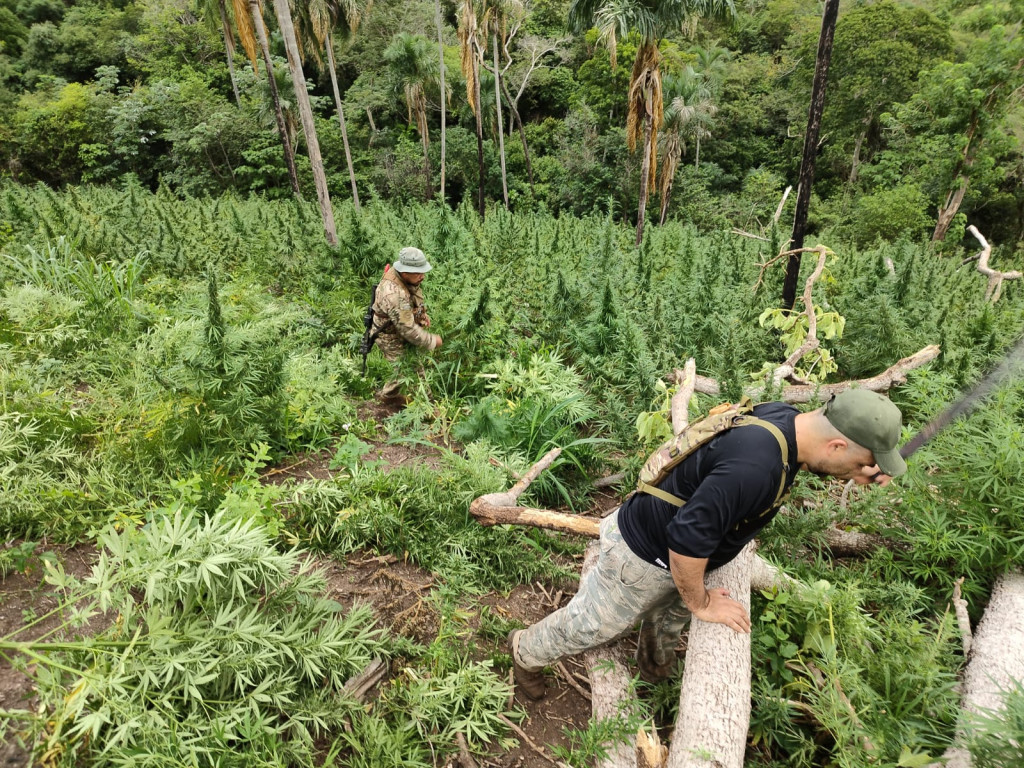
(674, 450)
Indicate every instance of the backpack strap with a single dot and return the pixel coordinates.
(655, 491)
(783, 447)
(740, 421)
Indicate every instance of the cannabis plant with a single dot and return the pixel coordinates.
(219, 650)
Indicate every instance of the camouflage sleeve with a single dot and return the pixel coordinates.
(400, 311)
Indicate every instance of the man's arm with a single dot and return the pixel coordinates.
(712, 605)
(405, 324)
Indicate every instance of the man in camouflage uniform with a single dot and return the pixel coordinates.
(399, 313)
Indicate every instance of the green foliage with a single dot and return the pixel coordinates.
(995, 736)
(132, 382)
(218, 636)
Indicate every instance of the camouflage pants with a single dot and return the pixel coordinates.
(620, 590)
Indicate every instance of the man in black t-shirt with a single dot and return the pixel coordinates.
(654, 555)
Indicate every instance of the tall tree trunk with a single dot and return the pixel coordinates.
(522, 133)
(284, 22)
(444, 90)
(664, 200)
(341, 118)
(803, 195)
(948, 211)
(855, 162)
(645, 167)
(282, 128)
(696, 154)
(421, 122)
(501, 126)
(229, 48)
(479, 141)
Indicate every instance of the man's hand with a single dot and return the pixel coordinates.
(712, 605)
(438, 345)
(722, 609)
(426, 320)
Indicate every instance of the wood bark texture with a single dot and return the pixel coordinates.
(714, 699)
(680, 407)
(995, 277)
(316, 163)
(806, 178)
(996, 661)
(282, 131)
(804, 393)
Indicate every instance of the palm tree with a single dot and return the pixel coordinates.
(444, 88)
(650, 20)
(319, 21)
(470, 55)
(688, 115)
(291, 46)
(218, 9)
(415, 68)
(252, 30)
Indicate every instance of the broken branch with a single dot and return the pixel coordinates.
(686, 379)
(805, 393)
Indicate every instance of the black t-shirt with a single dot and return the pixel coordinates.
(730, 482)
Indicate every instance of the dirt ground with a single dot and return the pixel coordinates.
(396, 592)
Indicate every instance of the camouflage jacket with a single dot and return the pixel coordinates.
(401, 305)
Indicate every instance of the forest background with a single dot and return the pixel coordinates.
(921, 96)
(175, 331)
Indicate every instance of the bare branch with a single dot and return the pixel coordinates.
(686, 379)
(962, 619)
(995, 277)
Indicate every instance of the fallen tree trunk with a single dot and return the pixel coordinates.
(714, 699)
(805, 393)
(995, 663)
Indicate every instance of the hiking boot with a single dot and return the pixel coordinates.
(529, 681)
(654, 662)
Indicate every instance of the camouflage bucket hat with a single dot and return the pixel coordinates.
(870, 420)
(412, 260)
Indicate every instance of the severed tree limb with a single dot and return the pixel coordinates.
(613, 479)
(650, 752)
(465, 756)
(853, 543)
(686, 379)
(358, 686)
(805, 393)
(963, 620)
(811, 343)
(995, 277)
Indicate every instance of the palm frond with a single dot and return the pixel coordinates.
(246, 30)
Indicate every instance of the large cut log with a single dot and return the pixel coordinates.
(714, 699)
(805, 393)
(996, 660)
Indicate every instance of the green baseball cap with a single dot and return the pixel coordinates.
(411, 260)
(870, 420)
